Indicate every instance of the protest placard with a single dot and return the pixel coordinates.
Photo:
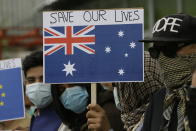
(93, 46)
(11, 90)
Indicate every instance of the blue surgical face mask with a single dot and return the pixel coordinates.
(39, 94)
(75, 99)
(116, 99)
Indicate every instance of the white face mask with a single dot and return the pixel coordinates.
(39, 94)
(116, 99)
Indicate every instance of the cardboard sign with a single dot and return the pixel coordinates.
(93, 46)
(11, 90)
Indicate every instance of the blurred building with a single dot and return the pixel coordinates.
(20, 26)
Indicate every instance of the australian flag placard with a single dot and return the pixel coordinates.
(11, 90)
(93, 53)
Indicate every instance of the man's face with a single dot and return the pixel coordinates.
(190, 49)
(34, 75)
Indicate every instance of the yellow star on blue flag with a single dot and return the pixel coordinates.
(3, 94)
(1, 86)
(1, 103)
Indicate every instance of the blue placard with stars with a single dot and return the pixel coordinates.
(93, 53)
(11, 90)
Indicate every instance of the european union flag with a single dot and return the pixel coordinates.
(93, 53)
(11, 94)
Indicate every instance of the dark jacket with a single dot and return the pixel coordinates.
(191, 108)
(47, 120)
(106, 101)
(154, 119)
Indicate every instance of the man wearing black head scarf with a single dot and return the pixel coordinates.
(134, 96)
(174, 45)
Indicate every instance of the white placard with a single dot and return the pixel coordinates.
(93, 17)
(10, 63)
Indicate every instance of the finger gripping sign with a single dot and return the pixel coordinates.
(11, 90)
(93, 46)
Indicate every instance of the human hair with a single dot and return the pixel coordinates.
(32, 60)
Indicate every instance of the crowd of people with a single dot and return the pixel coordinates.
(165, 101)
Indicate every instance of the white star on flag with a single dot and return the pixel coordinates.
(120, 33)
(69, 68)
(108, 49)
(126, 54)
(121, 72)
(132, 45)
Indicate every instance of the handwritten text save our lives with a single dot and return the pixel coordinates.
(93, 16)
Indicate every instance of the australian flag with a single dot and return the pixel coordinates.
(93, 53)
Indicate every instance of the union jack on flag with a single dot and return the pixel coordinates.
(68, 37)
(93, 53)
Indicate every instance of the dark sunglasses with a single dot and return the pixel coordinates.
(168, 49)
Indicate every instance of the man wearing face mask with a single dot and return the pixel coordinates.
(71, 102)
(44, 117)
(131, 98)
(174, 45)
